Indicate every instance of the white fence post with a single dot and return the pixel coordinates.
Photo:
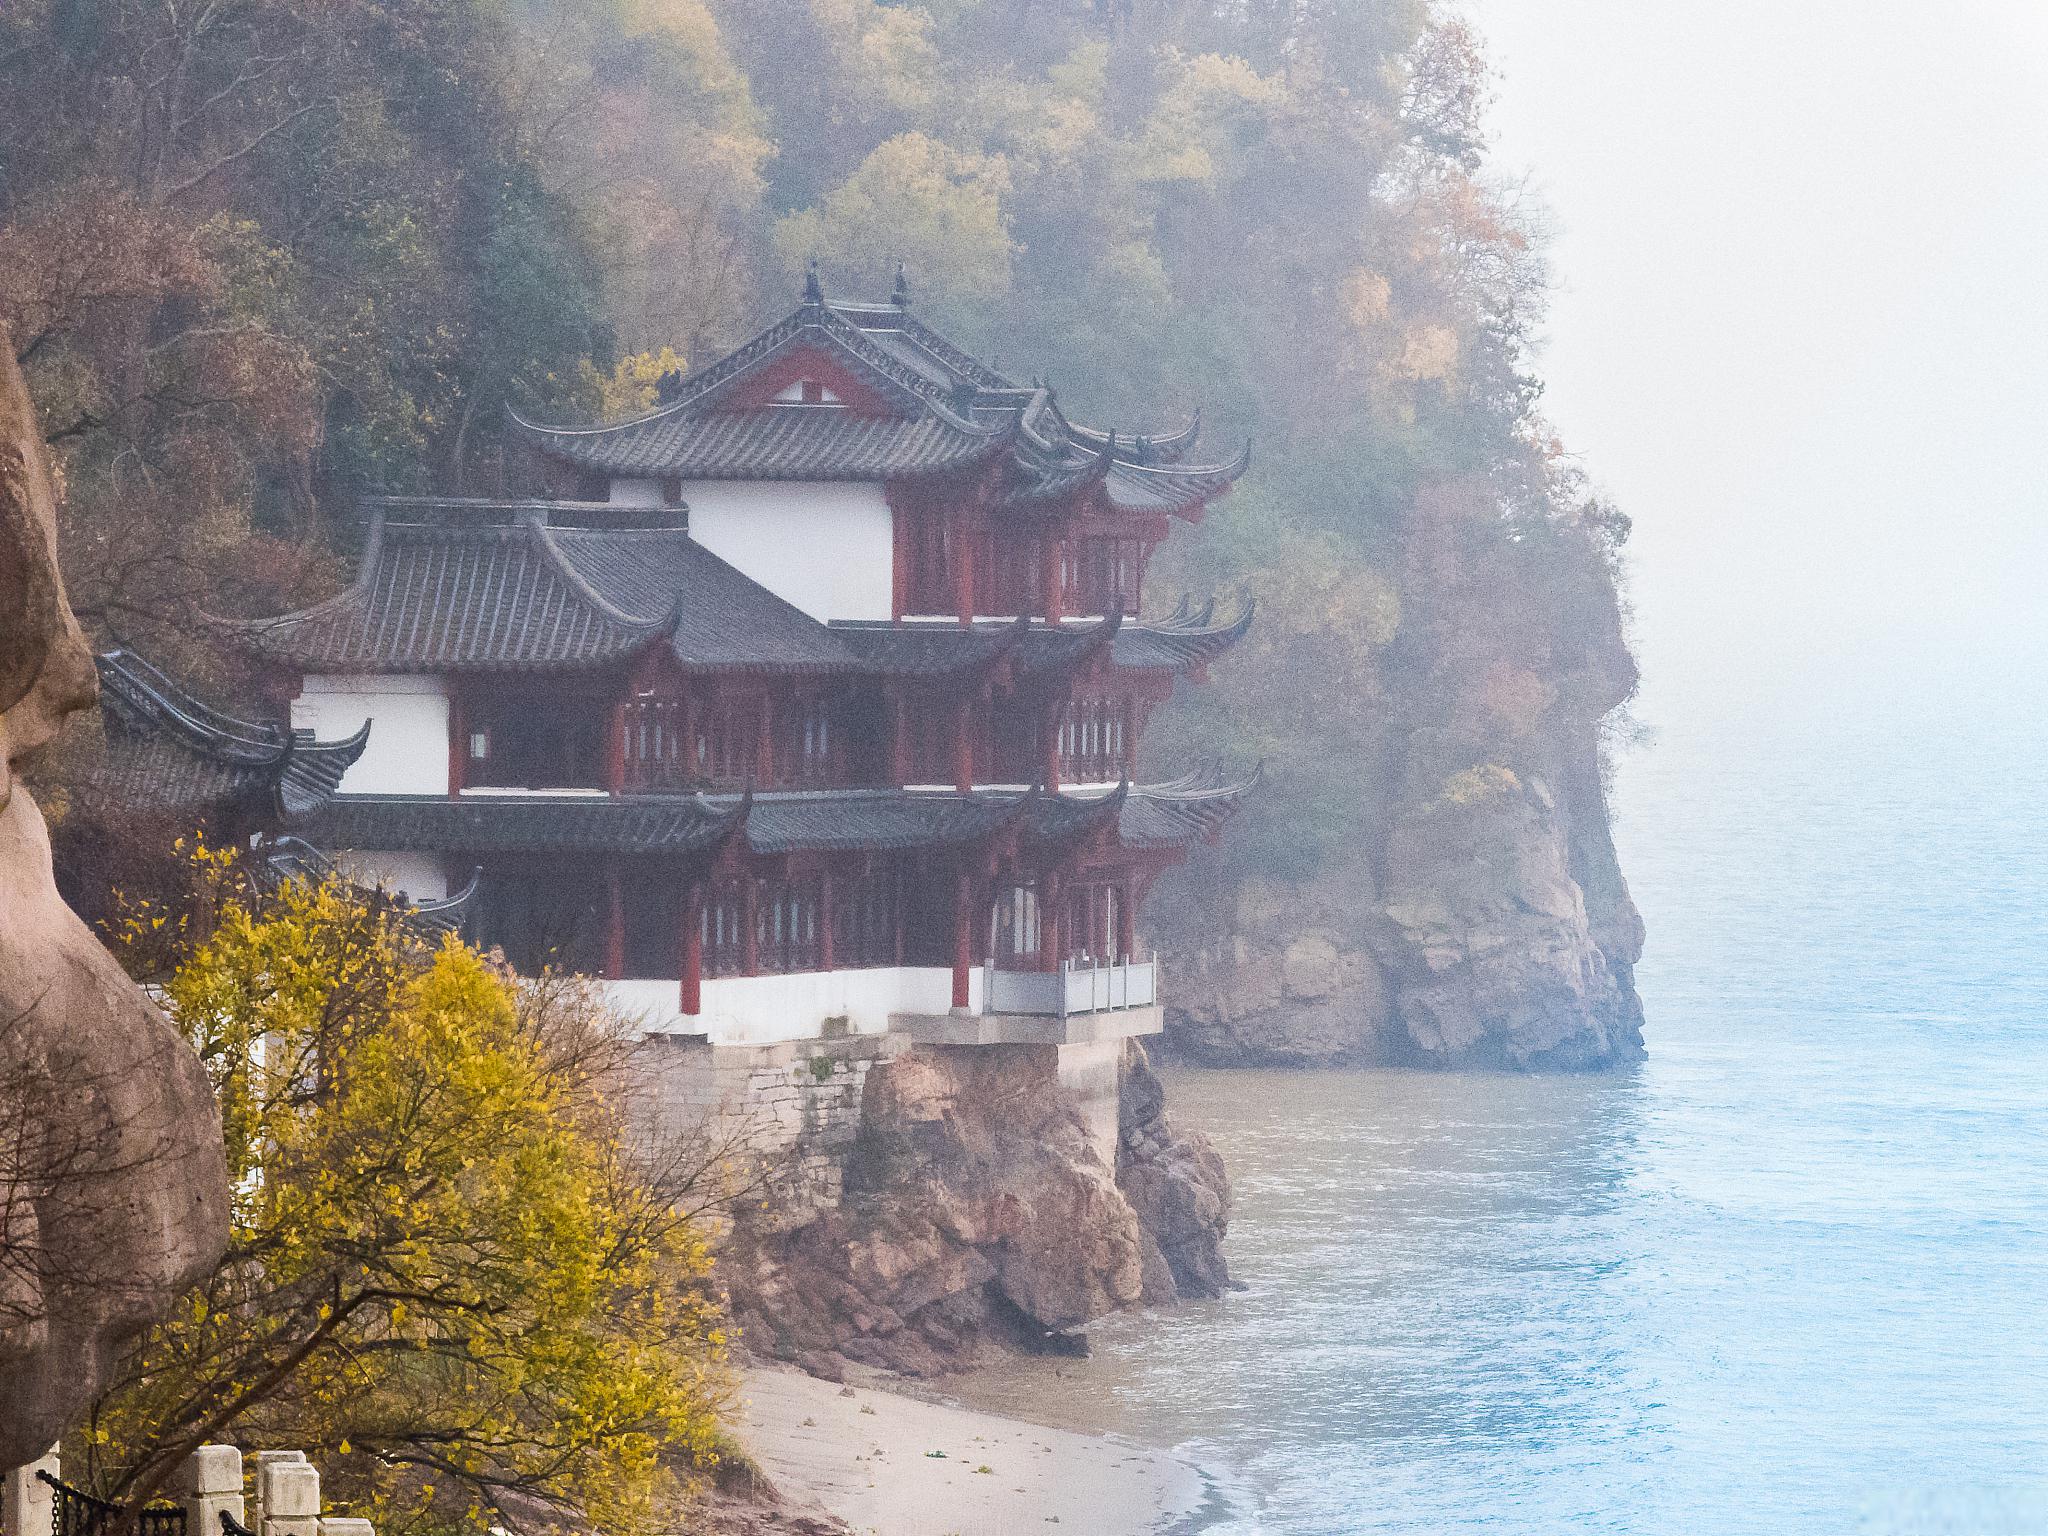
(27, 1503)
(211, 1482)
(287, 1494)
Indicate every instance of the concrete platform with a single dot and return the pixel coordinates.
(1028, 1028)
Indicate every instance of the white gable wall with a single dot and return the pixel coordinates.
(407, 752)
(825, 546)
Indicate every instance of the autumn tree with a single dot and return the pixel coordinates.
(449, 1277)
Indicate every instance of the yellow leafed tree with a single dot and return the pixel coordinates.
(450, 1280)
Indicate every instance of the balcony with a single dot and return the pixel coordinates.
(1077, 1004)
(1080, 1003)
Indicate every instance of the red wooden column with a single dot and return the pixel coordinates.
(692, 947)
(764, 745)
(900, 535)
(963, 567)
(1127, 918)
(963, 935)
(458, 743)
(750, 925)
(1051, 569)
(1049, 742)
(615, 751)
(1051, 921)
(614, 922)
(963, 743)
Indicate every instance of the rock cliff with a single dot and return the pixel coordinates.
(1479, 918)
(976, 1214)
(113, 1184)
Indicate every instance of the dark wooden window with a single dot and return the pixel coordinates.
(728, 741)
(1010, 575)
(534, 744)
(786, 933)
(1094, 913)
(1014, 931)
(864, 918)
(930, 563)
(1091, 744)
(542, 915)
(807, 742)
(1100, 573)
(655, 752)
(724, 940)
(654, 914)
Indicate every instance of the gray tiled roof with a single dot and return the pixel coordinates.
(1178, 643)
(168, 750)
(941, 410)
(464, 586)
(844, 820)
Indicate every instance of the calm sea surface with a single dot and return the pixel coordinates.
(1791, 1275)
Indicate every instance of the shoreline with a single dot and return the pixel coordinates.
(898, 1465)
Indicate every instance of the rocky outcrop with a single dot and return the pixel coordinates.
(113, 1183)
(975, 1214)
(1176, 1184)
(1500, 962)
(1479, 917)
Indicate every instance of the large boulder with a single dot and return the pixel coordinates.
(113, 1183)
(976, 1213)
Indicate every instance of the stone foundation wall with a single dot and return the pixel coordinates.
(784, 1115)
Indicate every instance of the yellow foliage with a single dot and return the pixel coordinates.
(917, 200)
(442, 1247)
(1475, 786)
(1213, 107)
(1429, 354)
(1368, 298)
(633, 385)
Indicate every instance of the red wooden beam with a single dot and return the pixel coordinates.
(692, 946)
(963, 935)
(458, 743)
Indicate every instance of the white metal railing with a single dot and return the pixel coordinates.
(1073, 988)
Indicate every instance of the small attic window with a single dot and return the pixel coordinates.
(807, 392)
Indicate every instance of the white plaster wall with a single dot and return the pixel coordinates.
(635, 493)
(422, 876)
(408, 748)
(826, 546)
(765, 1010)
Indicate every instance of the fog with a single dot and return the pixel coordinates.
(1800, 331)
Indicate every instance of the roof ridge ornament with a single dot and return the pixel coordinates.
(900, 297)
(814, 290)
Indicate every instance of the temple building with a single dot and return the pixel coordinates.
(806, 704)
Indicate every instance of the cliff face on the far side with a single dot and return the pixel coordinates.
(1478, 916)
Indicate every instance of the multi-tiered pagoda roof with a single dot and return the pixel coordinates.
(920, 407)
(465, 586)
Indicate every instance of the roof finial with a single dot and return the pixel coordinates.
(901, 297)
(814, 291)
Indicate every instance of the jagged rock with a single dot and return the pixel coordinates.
(1177, 1184)
(1511, 971)
(114, 1195)
(1291, 985)
(975, 1213)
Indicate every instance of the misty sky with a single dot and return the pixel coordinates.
(1801, 331)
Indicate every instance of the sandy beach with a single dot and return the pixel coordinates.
(900, 1466)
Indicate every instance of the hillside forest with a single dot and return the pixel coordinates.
(259, 257)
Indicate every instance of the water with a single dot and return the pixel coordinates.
(1789, 1275)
